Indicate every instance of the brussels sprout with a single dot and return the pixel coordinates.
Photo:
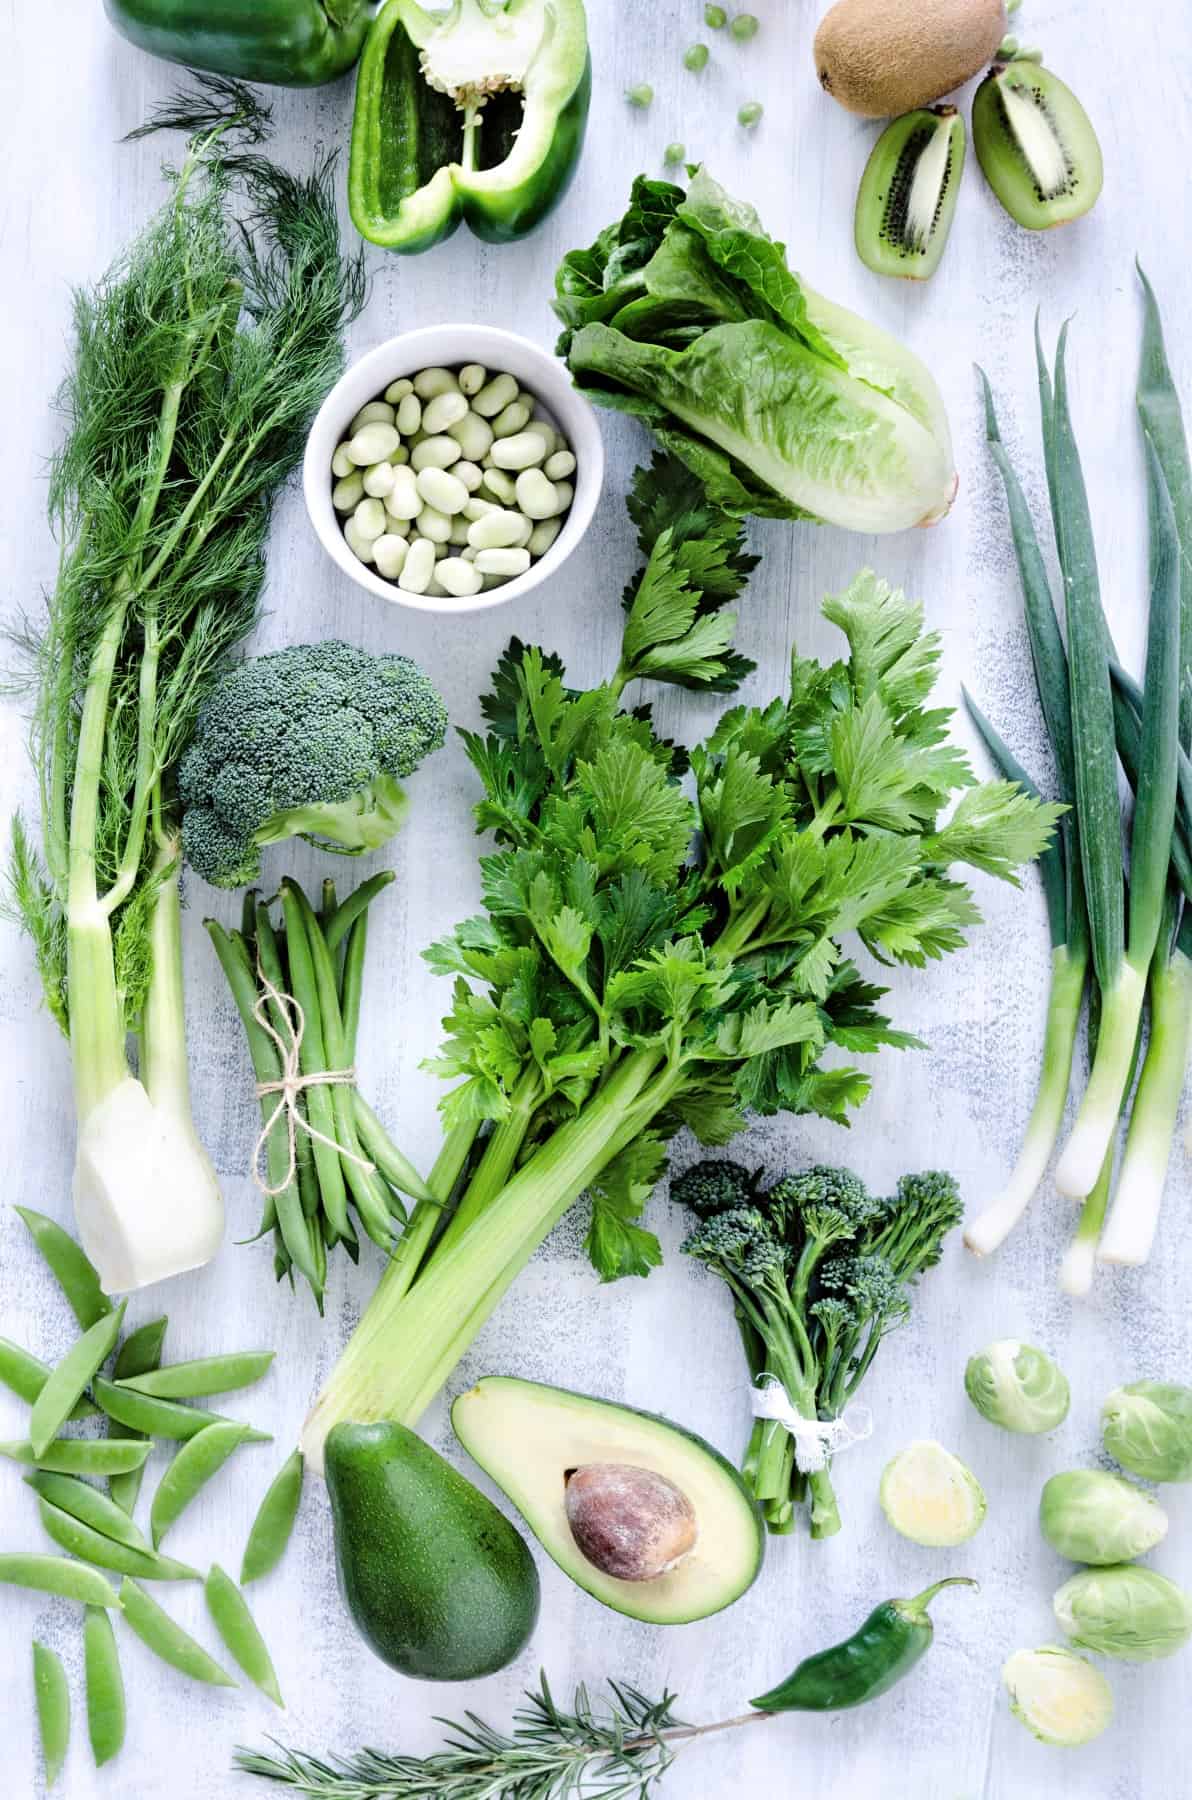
(1147, 1427)
(1096, 1518)
(1059, 1696)
(1017, 1386)
(930, 1497)
(1125, 1611)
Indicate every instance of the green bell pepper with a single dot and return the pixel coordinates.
(294, 43)
(477, 113)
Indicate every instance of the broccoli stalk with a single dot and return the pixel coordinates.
(819, 1272)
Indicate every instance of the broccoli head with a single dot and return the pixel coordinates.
(308, 742)
(713, 1186)
(798, 1199)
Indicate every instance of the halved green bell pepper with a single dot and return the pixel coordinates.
(292, 43)
(477, 113)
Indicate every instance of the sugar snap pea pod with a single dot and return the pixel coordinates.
(140, 1352)
(90, 1505)
(66, 1385)
(105, 1686)
(205, 1375)
(160, 1418)
(57, 1575)
(81, 1456)
(161, 1634)
(192, 1468)
(239, 1631)
(25, 1375)
(76, 1274)
(270, 1532)
(52, 1697)
(105, 1553)
(885, 1648)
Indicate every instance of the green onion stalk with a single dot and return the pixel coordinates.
(198, 362)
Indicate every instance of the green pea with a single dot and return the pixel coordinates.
(696, 58)
(749, 114)
(81, 1456)
(69, 1379)
(105, 1687)
(140, 1352)
(76, 1274)
(238, 1629)
(26, 1375)
(105, 1553)
(166, 1638)
(641, 96)
(745, 26)
(57, 1575)
(270, 1532)
(206, 1375)
(159, 1418)
(89, 1505)
(192, 1468)
(53, 1709)
(715, 18)
(675, 153)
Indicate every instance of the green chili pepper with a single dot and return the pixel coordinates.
(26, 1375)
(76, 1275)
(161, 1634)
(102, 1552)
(192, 1468)
(295, 43)
(69, 1379)
(475, 114)
(274, 1522)
(53, 1709)
(88, 1504)
(105, 1686)
(138, 1354)
(159, 1418)
(239, 1631)
(887, 1647)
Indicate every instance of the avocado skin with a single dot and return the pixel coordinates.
(438, 1582)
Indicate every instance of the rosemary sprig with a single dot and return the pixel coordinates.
(620, 1752)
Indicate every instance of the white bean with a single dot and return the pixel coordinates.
(511, 419)
(419, 566)
(442, 490)
(467, 554)
(442, 550)
(459, 531)
(396, 392)
(520, 451)
(378, 479)
(430, 383)
(433, 524)
(469, 473)
(500, 484)
(389, 554)
(376, 412)
(370, 518)
(361, 547)
(566, 495)
(502, 562)
(400, 455)
(472, 378)
(347, 494)
(373, 443)
(458, 577)
(409, 414)
(474, 435)
(560, 465)
(444, 410)
(434, 453)
(475, 507)
(543, 536)
(403, 499)
(547, 433)
(494, 395)
(537, 497)
(396, 527)
(341, 463)
(497, 531)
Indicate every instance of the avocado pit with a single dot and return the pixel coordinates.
(629, 1522)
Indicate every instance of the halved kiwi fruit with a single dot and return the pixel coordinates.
(908, 193)
(1036, 146)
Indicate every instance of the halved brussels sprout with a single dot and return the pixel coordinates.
(1059, 1696)
(1017, 1387)
(1147, 1427)
(1096, 1518)
(930, 1497)
(1125, 1611)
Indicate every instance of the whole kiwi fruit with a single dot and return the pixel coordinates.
(880, 58)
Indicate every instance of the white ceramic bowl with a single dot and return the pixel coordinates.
(448, 346)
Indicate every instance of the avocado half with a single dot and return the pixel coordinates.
(528, 1437)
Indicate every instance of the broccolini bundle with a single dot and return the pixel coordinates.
(820, 1271)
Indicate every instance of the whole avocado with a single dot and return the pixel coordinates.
(438, 1582)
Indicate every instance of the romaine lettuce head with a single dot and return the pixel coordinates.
(686, 315)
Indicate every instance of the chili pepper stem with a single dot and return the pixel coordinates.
(922, 1601)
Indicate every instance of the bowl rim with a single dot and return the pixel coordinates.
(422, 347)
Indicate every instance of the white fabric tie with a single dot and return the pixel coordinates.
(816, 1440)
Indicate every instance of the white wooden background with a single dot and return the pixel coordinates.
(72, 195)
